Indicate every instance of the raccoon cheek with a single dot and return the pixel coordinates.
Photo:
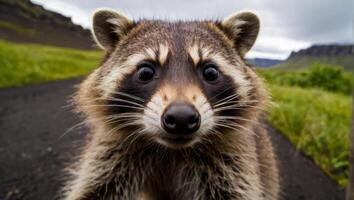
(152, 115)
(206, 113)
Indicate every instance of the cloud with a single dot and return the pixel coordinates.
(286, 25)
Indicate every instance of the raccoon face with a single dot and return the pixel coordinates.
(175, 83)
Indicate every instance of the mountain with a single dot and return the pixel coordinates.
(263, 62)
(24, 21)
(333, 54)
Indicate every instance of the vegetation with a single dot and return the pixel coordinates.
(19, 29)
(316, 122)
(313, 109)
(22, 64)
(327, 77)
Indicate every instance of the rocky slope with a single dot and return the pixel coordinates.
(24, 21)
(263, 62)
(325, 50)
(332, 54)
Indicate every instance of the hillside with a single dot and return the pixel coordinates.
(263, 62)
(25, 22)
(340, 55)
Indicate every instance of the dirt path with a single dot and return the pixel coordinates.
(33, 153)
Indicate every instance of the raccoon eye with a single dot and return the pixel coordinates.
(210, 72)
(146, 71)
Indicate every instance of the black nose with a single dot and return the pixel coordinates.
(181, 119)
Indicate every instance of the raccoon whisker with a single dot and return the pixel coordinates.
(244, 101)
(111, 121)
(130, 96)
(114, 105)
(126, 101)
(237, 125)
(233, 127)
(244, 128)
(234, 102)
(237, 107)
(78, 125)
(123, 126)
(73, 128)
(253, 107)
(218, 118)
(228, 98)
(229, 102)
(121, 100)
(121, 122)
(124, 115)
(220, 93)
(227, 126)
(133, 134)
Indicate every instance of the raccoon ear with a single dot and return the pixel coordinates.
(242, 28)
(108, 27)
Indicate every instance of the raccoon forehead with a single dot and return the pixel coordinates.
(199, 52)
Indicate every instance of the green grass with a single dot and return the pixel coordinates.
(23, 64)
(20, 30)
(328, 77)
(316, 122)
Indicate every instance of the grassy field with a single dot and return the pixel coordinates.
(313, 109)
(23, 64)
(328, 77)
(316, 120)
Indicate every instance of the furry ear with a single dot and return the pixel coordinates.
(108, 27)
(242, 28)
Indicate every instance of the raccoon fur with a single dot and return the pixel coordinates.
(174, 113)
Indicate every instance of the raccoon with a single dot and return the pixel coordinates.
(174, 113)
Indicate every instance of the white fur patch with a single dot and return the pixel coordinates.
(194, 53)
(207, 120)
(163, 53)
(152, 115)
(159, 54)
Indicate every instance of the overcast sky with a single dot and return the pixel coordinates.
(287, 25)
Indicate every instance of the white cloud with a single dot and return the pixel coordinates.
(78, 14)
(286, 25)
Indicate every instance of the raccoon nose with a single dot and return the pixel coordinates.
(181, 119)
